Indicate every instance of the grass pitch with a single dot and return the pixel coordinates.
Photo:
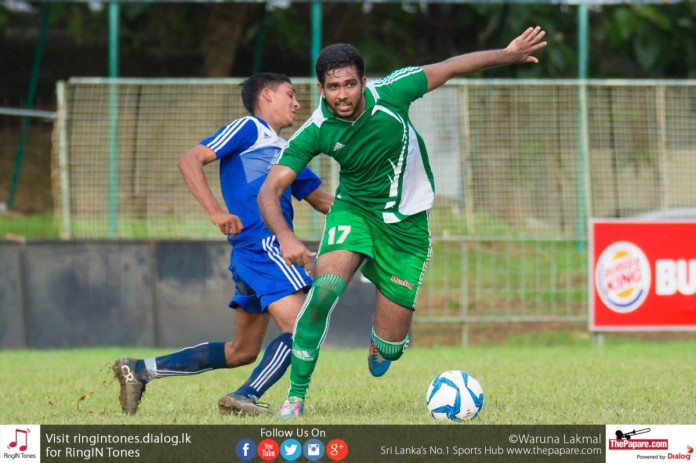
(622, 382)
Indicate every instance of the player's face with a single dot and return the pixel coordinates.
(343, 92)
(285, 104)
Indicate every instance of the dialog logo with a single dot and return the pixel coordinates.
(290, 449)
(622, 277)
(245, 449)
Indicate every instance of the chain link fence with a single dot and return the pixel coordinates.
(520, 165)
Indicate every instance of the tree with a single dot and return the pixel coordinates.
(225, 24)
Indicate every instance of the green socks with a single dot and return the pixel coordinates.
(310, 331)
(390, 350)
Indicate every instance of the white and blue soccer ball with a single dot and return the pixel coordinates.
(454, 395)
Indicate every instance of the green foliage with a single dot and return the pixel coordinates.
(646, 40)
(552, 379)
(4, 15)
(628, 40)
(288, 30)
(622, 25)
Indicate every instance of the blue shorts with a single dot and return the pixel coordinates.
(261, 277)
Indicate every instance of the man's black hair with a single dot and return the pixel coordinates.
(337, 56)
(254, 85)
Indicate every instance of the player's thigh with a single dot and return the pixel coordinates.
(340, 263)
(346, 241)
(347, 228)
(392, 321)
(285, 310)
(401, 255)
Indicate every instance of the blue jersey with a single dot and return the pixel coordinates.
(247, 148)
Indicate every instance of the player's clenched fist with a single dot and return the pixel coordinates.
(294, 252)
(229, 224)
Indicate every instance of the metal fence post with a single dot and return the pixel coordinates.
(65, 224)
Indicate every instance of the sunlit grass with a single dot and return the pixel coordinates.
(573, 383)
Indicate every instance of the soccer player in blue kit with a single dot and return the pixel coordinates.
(265, 286)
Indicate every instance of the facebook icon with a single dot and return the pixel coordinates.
(245, 449)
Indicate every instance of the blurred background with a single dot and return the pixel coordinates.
(603, 127)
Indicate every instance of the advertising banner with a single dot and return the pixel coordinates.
(642, 275)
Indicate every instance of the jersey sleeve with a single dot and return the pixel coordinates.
(301, 148)
(305, 183)
(233, 138)
(403, 86)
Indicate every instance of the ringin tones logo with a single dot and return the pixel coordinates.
(20, 443)
(622, 277)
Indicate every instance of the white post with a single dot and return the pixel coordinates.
(65, 225)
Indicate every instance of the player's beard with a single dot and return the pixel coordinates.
(356, 106)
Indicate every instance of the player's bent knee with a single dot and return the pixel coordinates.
(312, 323)
(325, 291)
(330, 287)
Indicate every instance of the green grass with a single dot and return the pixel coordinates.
(524, 383)
(30, 226)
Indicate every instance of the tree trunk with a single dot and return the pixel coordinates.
(219, 46)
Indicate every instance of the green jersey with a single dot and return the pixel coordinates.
(384, 163)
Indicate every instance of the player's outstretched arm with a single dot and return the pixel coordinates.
(519, 51)
(292, 249)
(191, 167)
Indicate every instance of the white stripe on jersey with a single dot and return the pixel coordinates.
(396, 75)
(228, 132)
(427, 259)
(398, 167)
(417, 193)
(279, 357)
(290, 272)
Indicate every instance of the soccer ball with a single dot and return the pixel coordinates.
(454, 395)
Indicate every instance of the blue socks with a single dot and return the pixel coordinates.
(211, 356)
(276, 360)
(188, 361)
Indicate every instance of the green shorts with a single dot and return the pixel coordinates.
(399, 252)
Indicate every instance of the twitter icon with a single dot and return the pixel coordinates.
(290, 449)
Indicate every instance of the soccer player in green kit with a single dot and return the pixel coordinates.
(379, 218)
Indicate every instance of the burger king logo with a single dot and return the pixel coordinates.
(622, 277)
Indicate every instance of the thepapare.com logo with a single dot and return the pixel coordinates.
(622, 277)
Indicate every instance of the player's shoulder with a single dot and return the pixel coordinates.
(236, 132)
(259, 132)
(242, 121)
(399, 87)
(399, 75)
(310, 128)
(246, 126)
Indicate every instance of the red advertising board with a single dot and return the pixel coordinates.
(642, 275)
